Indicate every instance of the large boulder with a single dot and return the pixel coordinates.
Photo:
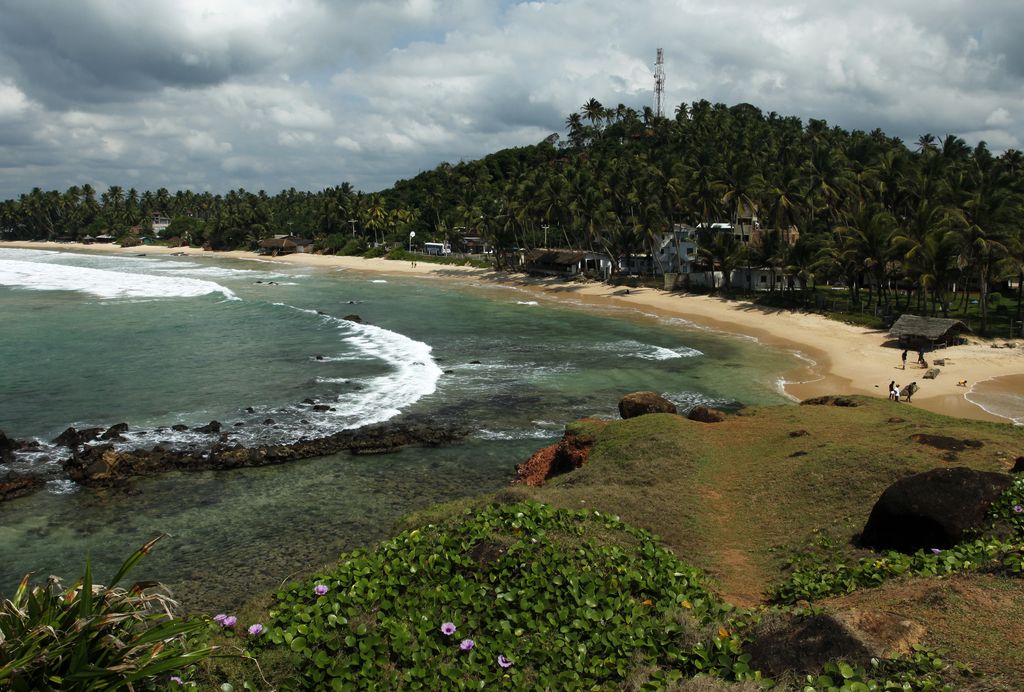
(75, 438)
(798, 644)
(704, 414)
(642, 403)
(934, 509)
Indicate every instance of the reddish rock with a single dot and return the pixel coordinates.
(568, 454)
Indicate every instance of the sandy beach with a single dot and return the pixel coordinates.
(840, 358)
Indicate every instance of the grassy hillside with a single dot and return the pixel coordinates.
(737, 500)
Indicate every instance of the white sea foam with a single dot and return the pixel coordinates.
(413, 373)
(527, 302)
(379, 281)
(103, 283)
(535, 434)
(635, 349)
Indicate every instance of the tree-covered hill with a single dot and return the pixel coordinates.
(869, 211)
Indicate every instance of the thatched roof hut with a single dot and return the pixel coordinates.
(912, 331)
(284, 244)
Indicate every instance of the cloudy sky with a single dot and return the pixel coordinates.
(271, 94)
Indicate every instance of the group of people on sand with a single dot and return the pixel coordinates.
(895, 392)
(920, 358)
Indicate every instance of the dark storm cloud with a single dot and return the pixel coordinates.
(271, 94)
(65, 53)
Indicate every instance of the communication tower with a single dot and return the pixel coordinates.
(659, 85)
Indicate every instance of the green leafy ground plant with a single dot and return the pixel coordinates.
(524, 595)
(93, 637)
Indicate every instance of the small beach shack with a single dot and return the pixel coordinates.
(567, 264)
(284, 245)
(913, 331)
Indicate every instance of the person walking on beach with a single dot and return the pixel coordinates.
(892, 390)
(909, 390)
(904, 357)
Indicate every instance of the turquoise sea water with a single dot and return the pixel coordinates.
(97, 340)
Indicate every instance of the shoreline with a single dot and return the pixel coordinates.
(839, 358)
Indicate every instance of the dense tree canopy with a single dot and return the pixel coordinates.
(887, 220)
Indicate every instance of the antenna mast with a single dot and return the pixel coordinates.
(659, 85)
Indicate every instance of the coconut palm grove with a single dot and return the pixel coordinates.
(932, 224)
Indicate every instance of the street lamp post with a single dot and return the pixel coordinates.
(353, 222)
(545, 229)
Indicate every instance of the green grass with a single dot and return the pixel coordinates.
(735, 499)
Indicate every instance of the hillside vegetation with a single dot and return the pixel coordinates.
(595, 579)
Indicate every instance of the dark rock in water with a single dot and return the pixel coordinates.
(7, 447)
(103, 465)
(73, 438)
(474, 362)
(789, 643)
(179, 427)
(934, 509)
(309, 401)
(304, 421)
(642, 403)
(353, 318)
(269, 421)
(320, 312)
(211, 427)
(448, 372)
(703, 414)
(250, 409)
(239, 424)
(1018, 465)
(830, 401)
(321, 407)
(18, 486)
(114, 432)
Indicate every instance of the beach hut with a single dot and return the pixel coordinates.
(912, 331)
(284, 245)
(566, 263)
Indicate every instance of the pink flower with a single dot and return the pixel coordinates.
(1018, 509)
(467, 644)
(219, 618)
(320, 589)
(504, 662)
(448, 629)
(255, 629)
(230, 621)
(936, 551)
(175, 678)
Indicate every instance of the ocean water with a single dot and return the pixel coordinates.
(93, 340)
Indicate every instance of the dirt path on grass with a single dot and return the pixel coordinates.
(728, 517)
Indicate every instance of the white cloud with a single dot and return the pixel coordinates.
(13, 102)
(235, 93)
